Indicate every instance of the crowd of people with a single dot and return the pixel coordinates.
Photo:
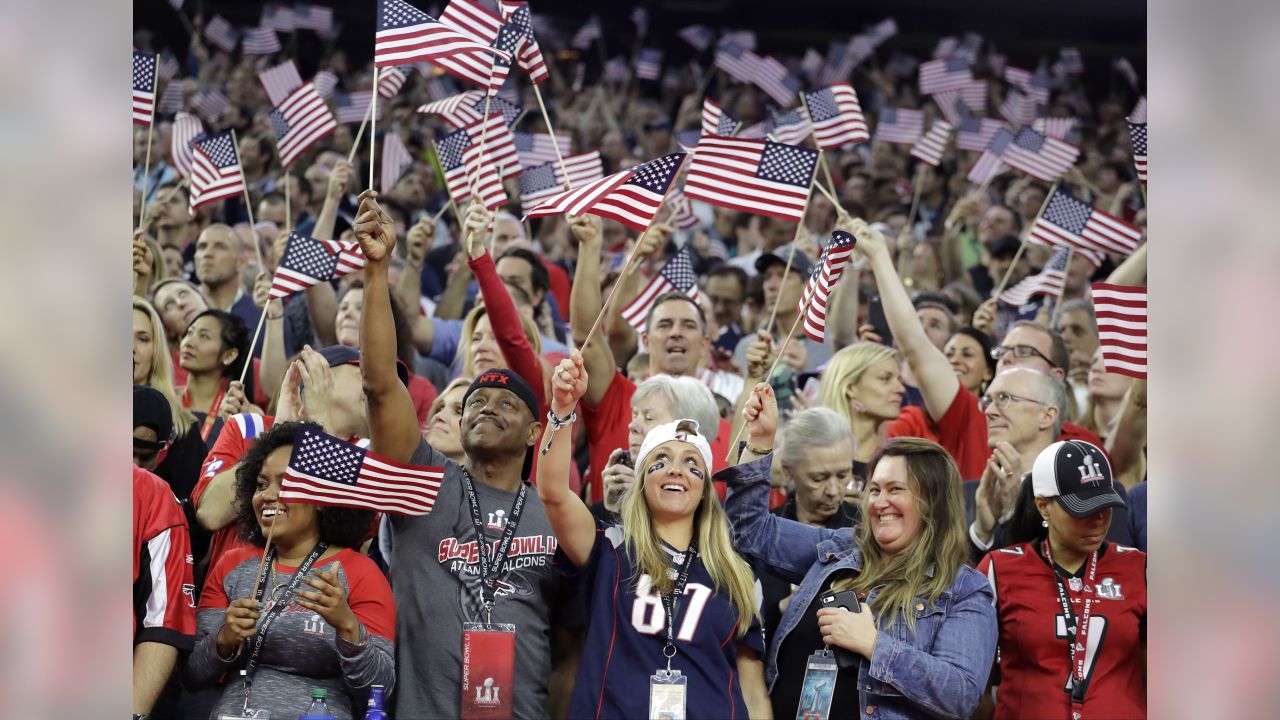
(938, 511)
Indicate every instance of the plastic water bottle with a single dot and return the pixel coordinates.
(319, 709)
(376, 699)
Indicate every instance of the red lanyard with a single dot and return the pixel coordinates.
(212, 417)
(1077, 632)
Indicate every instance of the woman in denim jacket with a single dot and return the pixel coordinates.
(927, 645)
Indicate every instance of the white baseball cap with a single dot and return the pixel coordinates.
(685, 430)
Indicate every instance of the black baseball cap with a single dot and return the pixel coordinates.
(1078, 475)
(800, 262)
(151, 409)
(344, 355)
(508, 380)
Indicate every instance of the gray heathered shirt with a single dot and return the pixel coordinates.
(435, 578)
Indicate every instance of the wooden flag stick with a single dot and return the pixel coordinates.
(626, 267)
(248, 204)
(253, 341)
(373, 124)
(288, 215)
(146, 165)
(915, 197)
(262, 564)
(839, 208)
(551, 131)
(1021, 247)
(768, 328)
(355, 144)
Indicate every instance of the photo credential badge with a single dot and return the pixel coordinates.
(819, 686)
(488, 671)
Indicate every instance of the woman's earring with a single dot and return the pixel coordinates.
(1045, 523)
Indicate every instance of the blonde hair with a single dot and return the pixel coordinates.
(458, 382)
(929, 565)
(469, 329)
(160, 375)
(846, 368)
(729, 572)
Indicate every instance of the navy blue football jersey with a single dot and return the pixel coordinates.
(627, 629)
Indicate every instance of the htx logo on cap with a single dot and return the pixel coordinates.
(494, 377)
(1089, 472)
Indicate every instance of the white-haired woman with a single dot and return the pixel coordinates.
(669, 604)
(660, 399)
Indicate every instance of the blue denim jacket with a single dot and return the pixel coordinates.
(939, 670)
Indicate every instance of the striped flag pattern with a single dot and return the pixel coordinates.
(278, 18)
(715, 121)
(941, 75)
(459, 110)
(313, 17)
(755, 176)
(1138, 138)
(537, 148)
(215, 170)
(281, 80)
(1048, 281)
(1018, 108)
(632, 197)
(186, 127)
(299, 122)
(499, 144)
(459, 160)
(676, 276)
(649, 64)
(1068, 221)
(991, 162)
(791, 127)
(900, 125)
(307, 262)
(261, 41)
(683, 209)
(975, 134)
(390, 80)
(529, 54)
(168, 68)
(210, 103)
(1041, 157)
(395, 160)
(1058, 128)
(407, 35)
(220, 33)
(699, 36)
(325, 81)
(836, 116)
(823, 281)
(1121, 311)
(144, 87)
(764, 72)
(541, 182)
(324, 470)
(352, 107)
(173, 97)
(933, 143)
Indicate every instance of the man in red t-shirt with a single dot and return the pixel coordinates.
(675, 337)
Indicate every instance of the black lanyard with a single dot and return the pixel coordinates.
(490, 569)
(669, 602)
(1077, 631)
(256, 643)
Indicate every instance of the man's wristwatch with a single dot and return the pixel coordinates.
(136, 716)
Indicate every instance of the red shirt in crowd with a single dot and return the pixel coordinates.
(164, 609)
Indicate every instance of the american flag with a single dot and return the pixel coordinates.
(587, 34)
(327, 471)
(546, 180)
(459, 110)
(313, 17)
(529, 56)
(699, 36)
(395, 160)
(951, 107)
(842, 58)
(649, 64)
(900, 125)
(472, 19)
(1041, 157)
(688, 139)
(1121, 311)
(1035, 85)
(353, 107)
(1048, 281)
(1018, 108)
(1056, 127)
(390, 80)
(1070, 222)
(406, 35)
(715, 121)
(975, 134)
(837, 116)
(281, 80)
(299, 122)
(991, 162)
(971, 98)
(308, 262)
(1138, 138)
(765, 72)
(499, 144)
(1071, 61)
(791, 127)
(946, 47)
(144, 87)
(278, 18)
(1125, 68)
(325, 81)
(508, 109)
(215, 170)
(220, 33)
(932, 144)
(1139, 113)
(682, 209)
(676, 276)
(169, 67)
(754, 132)
(210, 103)
(537, 148)
(508, 42)
(950, 74)
(825, 276)
(173, 97)
(186, 128)
(755, 176)
(261, 41)
(632, 197)
(459, 160)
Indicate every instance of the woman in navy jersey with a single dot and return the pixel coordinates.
(923, 639)
(672, 619)
(1072, 606)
